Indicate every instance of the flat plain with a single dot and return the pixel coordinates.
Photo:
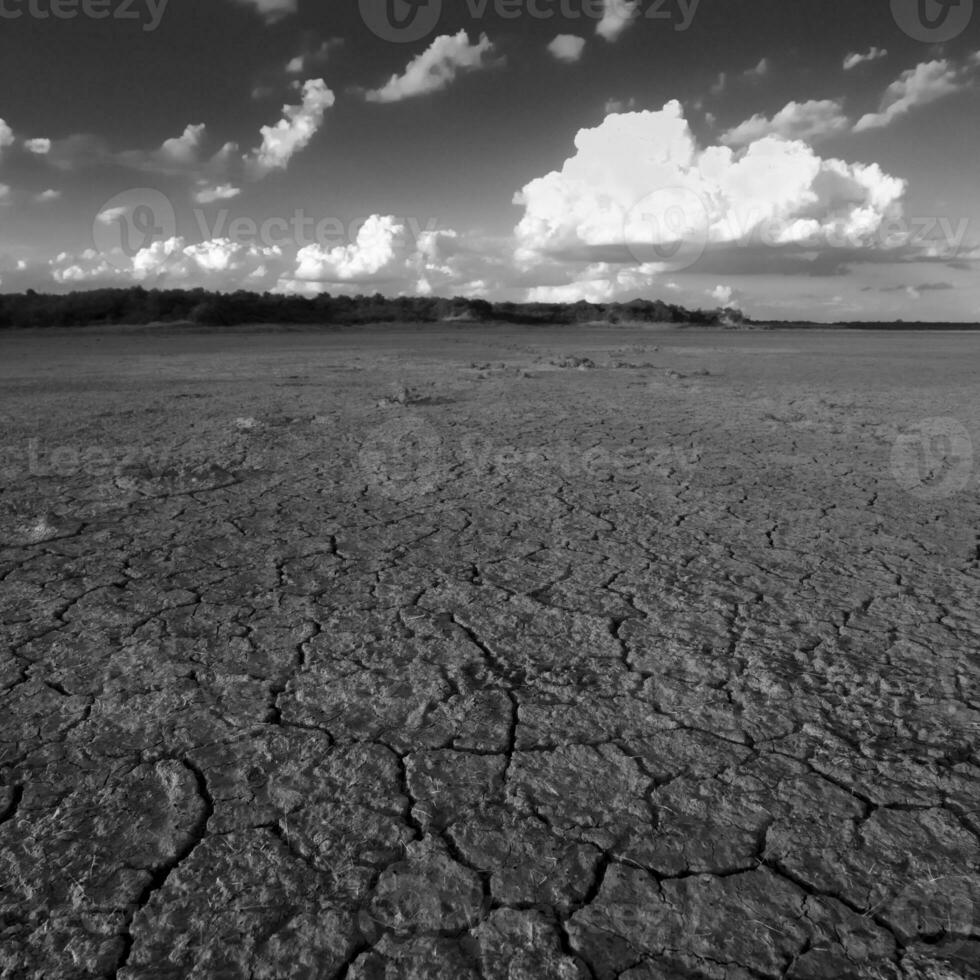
(490, 652)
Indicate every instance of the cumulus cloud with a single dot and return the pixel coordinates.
(40, 147)
(4, 191)
(773, 191)
(854, 59)
(723, 295)
(271, 10)
(218, 263)
(617, 17)
(46, 197)
(919, 86)
(437, 67)
(398, 257)
(184, 148)
(300, 123)
(379, 245)
(797, 121)
(759, 71)
(567, 47)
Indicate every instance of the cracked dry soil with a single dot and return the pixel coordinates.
(592, 653)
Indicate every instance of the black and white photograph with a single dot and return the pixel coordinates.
(489, 490)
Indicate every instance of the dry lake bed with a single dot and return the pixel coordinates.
(490, 652)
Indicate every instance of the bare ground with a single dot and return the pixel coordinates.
(489, 653)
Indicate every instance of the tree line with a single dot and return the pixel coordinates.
(139, 306)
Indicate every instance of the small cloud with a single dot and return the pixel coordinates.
(436, 68)
(184, 148)
(6, 136)
(760, 70)
(209, 195)
(619, 105)
(39, 147)
(926, 83)
(271, 10)
(47, 196)
(617, 17)
(872, 54)
(300, 123)
(567, 48)
(796, 121)
(721, 83)
(722, 294)
(312, 56)
(111, 215)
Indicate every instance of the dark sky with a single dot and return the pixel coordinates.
(819, 191)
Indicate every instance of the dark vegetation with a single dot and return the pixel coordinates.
(197, 306)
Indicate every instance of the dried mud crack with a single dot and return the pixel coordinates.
(577, 667)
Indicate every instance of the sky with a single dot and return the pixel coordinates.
(797, 159)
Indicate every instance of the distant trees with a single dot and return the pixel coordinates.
(137, 305)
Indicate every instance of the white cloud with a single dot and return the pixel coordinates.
(47, 196)
(567, 47)
(617, 17)
(919, 86)
(40, 147)
(397, 257)
(300, 123)
(774, 188)
(312, 56)
(109, 216)
(184, 148)
(4, 191)
(436, 68)
(619, 105)
(759, 71)
(380, 245)
(219, 263)
(271, 10)
(797, 121)
(872, 54)
(208, 194)
(6, 136)
(180, 156)
(722, 294)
